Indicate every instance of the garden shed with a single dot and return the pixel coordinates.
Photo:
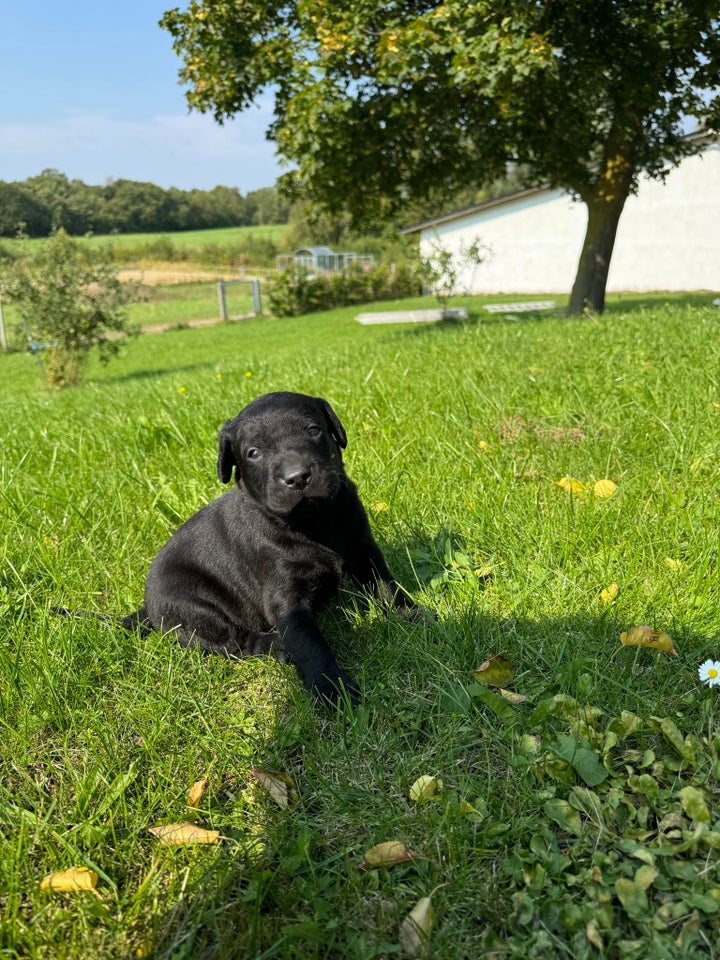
(321, 259)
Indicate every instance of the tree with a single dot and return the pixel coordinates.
(439, 269)
(21, 212)
(70, 298)
(381, 103)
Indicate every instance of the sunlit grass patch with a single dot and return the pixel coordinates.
(544, 486)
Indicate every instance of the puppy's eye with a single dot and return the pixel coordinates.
(313, 431)
(253, 453)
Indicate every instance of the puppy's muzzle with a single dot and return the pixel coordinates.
(295, 477)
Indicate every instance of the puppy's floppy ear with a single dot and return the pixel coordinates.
(337, 429)
(226, 454)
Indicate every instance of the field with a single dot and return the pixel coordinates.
(544, 485)
(221, 237)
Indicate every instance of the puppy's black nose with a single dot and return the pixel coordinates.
(296, 477)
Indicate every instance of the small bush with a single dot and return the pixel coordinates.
(70, 298)
(297, 291)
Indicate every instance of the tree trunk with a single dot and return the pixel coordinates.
(589, 288)
(605, 199)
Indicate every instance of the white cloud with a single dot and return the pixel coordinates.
(184, 151)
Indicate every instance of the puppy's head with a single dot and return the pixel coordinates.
(285, 450)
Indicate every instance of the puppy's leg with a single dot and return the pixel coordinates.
(307, 649)
(208, 629)
(371, 573)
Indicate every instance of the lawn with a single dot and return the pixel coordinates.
(582, 821)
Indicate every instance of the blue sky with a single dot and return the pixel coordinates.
(91, 89)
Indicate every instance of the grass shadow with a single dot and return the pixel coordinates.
(303, 896)
(156, 372)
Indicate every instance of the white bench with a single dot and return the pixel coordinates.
(527, 306)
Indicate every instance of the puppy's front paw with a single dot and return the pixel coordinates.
(336, 689)
(410, 611)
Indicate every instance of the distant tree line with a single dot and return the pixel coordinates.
(50, 201)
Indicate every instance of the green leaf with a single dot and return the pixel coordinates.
(566, 817)
(694, 804)
(703, 901)
(584, 761)
(455, 700)
(633, 898)
(685, 747)
(497, 671)
(499, 705)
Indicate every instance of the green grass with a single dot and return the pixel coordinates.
(595, 831)
(221, 237)
(182, 302)
(176, 305)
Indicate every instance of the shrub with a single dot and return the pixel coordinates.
(70, 298)
(297, 291)
(440, 268)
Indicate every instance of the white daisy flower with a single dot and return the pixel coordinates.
(709, 672)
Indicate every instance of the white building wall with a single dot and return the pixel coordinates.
(668, 237)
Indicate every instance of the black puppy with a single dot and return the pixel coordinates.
(249, 571)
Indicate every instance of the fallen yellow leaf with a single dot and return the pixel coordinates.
(387, 854)
(497, 671)
(604, 488)
(573, 486)
(672, 563)
(511, 696)
(644, 636)
(74, 878)
(609, 594)
(592, 932)
(178, 833)
(425, 788)
(197, 792)
(280, 786)
(417, 926)
(379, 507)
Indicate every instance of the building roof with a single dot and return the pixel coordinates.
(314, 251)
(473, 208)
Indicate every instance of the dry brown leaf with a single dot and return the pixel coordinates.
(497, 671)
(644, 636)
(74, 878)
(280, 786)
(178, 833)
(425, 788)
(197, 792)
(387, 854)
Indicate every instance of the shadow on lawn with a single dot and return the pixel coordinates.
(148, 374)
(418, 683)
